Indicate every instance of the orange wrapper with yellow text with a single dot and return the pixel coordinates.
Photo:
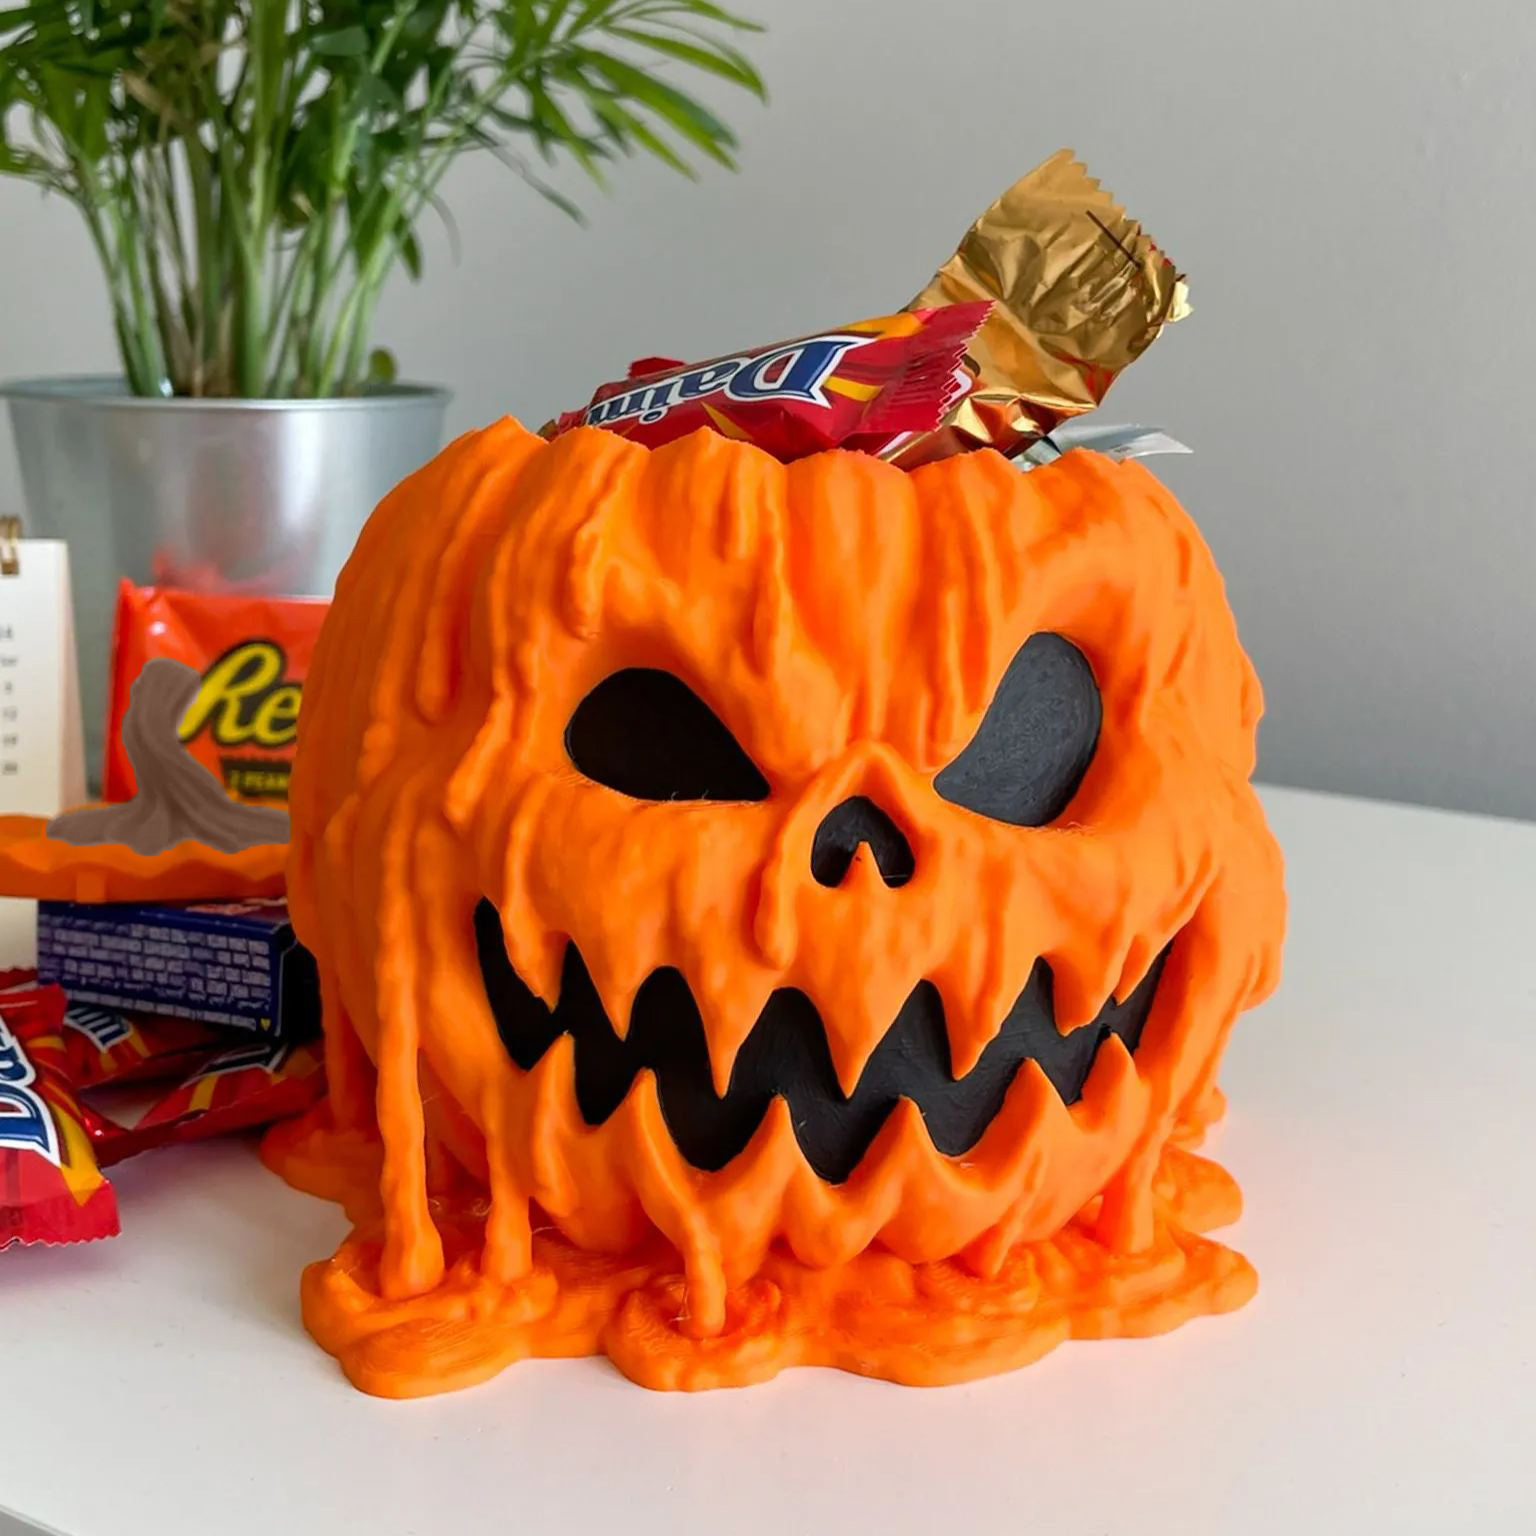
(253, 654)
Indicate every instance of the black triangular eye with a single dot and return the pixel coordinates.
(1036, 740)
(647, 734)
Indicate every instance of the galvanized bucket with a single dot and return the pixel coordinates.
(218, 495)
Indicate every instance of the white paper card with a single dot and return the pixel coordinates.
(42, 761)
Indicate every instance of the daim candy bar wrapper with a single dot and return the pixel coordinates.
(868, 385)
(52, 1189)
(104, 1046)
(251, 1085)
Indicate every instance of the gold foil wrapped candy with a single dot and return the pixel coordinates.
(1081, 292)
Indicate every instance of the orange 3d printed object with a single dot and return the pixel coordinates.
(772, 914)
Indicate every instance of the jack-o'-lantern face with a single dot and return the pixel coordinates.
(814, 854)
(646, 734)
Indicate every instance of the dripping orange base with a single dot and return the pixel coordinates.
(877, 1315)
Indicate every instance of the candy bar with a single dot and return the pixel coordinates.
(1081, 292)
(874, 383)
(235, 964)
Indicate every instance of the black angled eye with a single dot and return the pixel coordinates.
(1036, 741)
(647, 734)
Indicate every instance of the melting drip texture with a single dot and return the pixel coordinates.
(849, 623)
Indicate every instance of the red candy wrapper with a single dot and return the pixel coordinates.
(235, 1090)
(253, 654)
(867, 385)
(51, 1186)
(105, 1045)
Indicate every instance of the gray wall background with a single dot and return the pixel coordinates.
(1351, 185)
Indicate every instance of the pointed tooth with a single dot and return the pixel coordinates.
(1080, 986)
(855, 1018)
(881, 1176)
(848, 1061)
(976, 1017)
(536, 954)
(535, 948)
(1013, 1145)
(966, 1025)
(1112, 1084)
(722, 1062)
(859, 983)
(1015, 1153)
(1138, 961)
(995, 1001)
(617, 979)
(978, 982)
(729, 1007)
(851, 1050)
(905, 1124)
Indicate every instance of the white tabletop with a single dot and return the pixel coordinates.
(1383, 1128)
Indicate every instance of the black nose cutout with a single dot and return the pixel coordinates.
(844, 827)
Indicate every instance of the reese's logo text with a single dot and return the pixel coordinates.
(246, 699)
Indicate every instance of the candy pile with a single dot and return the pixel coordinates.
(1052, 293)
(175, 1023)
(150, 1022)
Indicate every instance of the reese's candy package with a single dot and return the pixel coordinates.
(106, 1045)
(252, 654)
(867, 384)
(51, 1186)
(235, 1090)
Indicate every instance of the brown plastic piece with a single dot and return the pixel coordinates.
(178, 800)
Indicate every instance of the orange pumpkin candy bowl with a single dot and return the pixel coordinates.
(772, 914)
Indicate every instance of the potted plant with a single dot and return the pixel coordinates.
(251, 172)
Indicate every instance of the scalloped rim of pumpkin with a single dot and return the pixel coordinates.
(918, 1324)
(41, 868)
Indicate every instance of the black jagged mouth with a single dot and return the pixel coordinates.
(786, 1055)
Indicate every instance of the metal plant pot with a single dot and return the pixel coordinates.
(220, 495)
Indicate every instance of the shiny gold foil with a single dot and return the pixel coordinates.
(1081, 292)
